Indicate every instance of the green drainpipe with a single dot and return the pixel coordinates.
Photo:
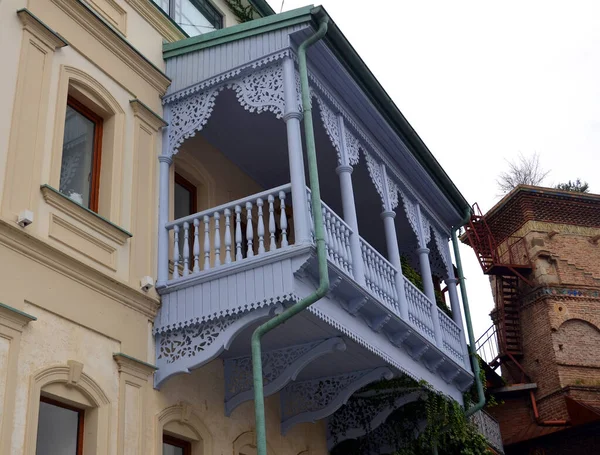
(473, 354)
(259, 399)
(463, 292)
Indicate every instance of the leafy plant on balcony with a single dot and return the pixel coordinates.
(415, 278)
(243, 13)
(403, 431)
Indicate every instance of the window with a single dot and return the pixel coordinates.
(185, 197)
(174, 446)
(60, 429)
(81, 153)
(193, 16)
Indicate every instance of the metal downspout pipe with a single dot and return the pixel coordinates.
(465, 299)
(257, 373)
(472, 353)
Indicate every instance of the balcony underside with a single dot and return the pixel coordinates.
(213, 314)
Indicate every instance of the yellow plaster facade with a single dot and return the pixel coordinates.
(75, 326)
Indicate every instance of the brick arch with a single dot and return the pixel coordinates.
(576, 342)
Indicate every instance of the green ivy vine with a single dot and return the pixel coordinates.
(243, 13)
(444, 420)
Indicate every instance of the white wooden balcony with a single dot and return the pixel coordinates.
(224, 270)
(239, 258)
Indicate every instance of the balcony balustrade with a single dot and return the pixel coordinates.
(257, 226)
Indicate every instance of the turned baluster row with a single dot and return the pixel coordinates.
(182, 259)
(337, 241)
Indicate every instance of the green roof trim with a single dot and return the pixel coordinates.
(19, 312)
(355, 66)
(237, 32)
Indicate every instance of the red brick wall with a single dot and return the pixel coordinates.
(560, 327)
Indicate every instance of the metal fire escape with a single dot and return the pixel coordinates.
(508, 262)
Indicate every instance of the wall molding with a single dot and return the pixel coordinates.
(40, 30)
(163, 25)
(92, 220)
(115, 42)
(146, 114)
(51, 257)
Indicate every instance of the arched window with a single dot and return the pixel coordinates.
(181, 432)
(69, 408)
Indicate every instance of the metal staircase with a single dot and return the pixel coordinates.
(509, 262)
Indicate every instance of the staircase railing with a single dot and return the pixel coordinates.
(486, 345)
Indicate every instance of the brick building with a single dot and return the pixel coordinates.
(541, 249)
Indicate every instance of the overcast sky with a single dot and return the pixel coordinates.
(483, 81)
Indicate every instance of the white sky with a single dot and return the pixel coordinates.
(481, 81)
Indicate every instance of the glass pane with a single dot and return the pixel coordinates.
(168, 449)
(77, 158)
(183, 201)
(190, 19)
(57, 431)
(163, 4)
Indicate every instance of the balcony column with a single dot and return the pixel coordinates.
(292, 119)
(391, 240)
(451, 282)
(425, 267)
(344, 171)
(165, 161)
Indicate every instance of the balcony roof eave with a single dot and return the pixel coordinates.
(356, 68)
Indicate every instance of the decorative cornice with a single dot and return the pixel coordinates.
(133, 366)
(560, 292)
(13, 318)
(147, 115)
(97, 27)
(159, 20)
(40, 251)
(48, 36)
(91, 219)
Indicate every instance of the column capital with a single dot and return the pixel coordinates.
(165, 159)
(292, 115)
(423, 250)
(450, 281)
(344, 168)
(388, 214)
(13, 319)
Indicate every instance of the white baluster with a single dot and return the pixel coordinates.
(348, 251)
(260, 226)
(176, 251)
(206, 242)
(227, 236)
(196, 249)
(238, 233)
(328, 236)
(283, 221)
(186, 248)
(216, 216)
(249, 230)
(367, 265)
(310, 218)
(272, 243)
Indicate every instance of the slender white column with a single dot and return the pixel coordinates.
(430, 292)
(391, 240)
(457, 313)
(163, 215)
(292, 119)
(349, 208)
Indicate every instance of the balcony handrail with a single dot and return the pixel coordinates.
(286, 188)
(333, 213)
(448, 318)
(379, 255)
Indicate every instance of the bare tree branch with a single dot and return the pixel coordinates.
(523, 171)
